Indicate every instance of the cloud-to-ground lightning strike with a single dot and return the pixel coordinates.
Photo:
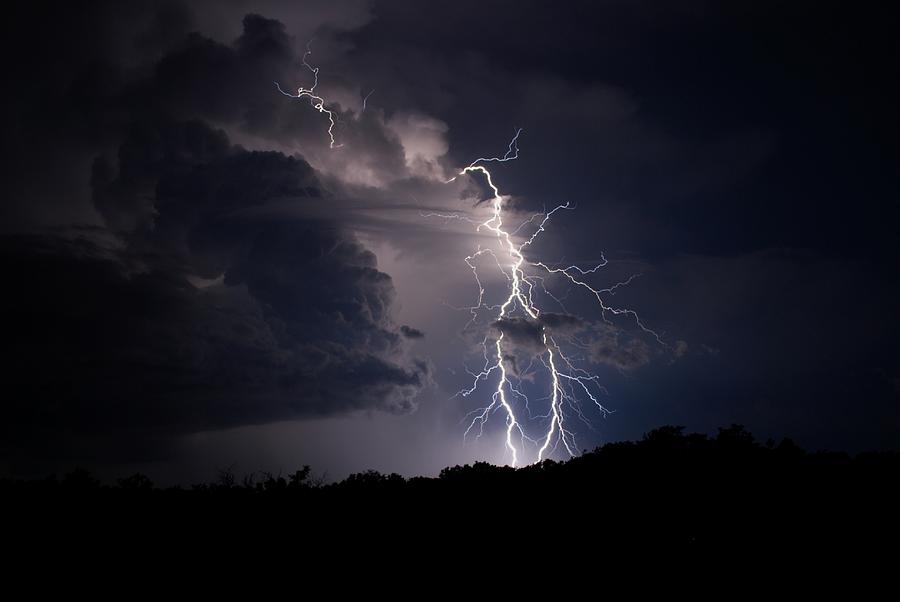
(567, 382)
(315, 100)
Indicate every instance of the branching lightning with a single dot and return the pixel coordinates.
(315, 100)
(569, 384)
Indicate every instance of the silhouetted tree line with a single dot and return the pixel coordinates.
(670, 486)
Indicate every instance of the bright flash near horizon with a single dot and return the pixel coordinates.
(568, 383)
(315, 100)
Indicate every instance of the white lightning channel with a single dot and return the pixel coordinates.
(366, 99)
(568, 382)
(315, 100)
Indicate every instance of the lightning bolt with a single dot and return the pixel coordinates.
(366, 99)
(315, 100)
(569, 384)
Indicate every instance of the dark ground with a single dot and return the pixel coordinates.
(671, 491)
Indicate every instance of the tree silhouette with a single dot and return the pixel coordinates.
(671, 488)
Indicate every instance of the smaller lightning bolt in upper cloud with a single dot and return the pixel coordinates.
(315, 100)
(366, 100)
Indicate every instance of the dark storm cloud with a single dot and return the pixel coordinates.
(109, 71)
(411, 333)
(599, 342)
(529, 333)
(663, 122)
(751, 144)
(189, 307)
(283, 319)
(614, 347)
(197, 256)
(560, 323)
(785, 347)
(522, 332)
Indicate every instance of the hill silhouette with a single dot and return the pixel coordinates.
(670, 488)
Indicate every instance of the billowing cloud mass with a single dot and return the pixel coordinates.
(182, 251)
(192, 305)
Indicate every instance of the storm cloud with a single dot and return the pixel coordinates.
(183, 252)
(189, 307)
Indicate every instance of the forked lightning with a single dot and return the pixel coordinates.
(568, 383)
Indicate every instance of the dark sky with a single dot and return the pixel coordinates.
(193, 278)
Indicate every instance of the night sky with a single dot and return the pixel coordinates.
(193, 278)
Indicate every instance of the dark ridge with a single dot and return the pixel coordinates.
(672, 489)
